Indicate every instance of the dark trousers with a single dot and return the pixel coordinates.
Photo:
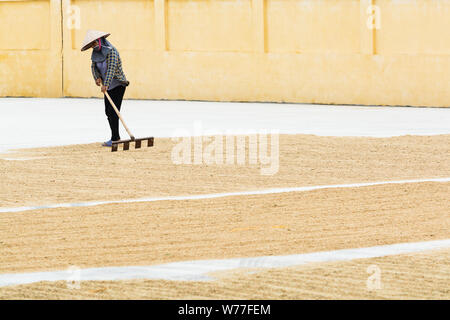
(116, 95)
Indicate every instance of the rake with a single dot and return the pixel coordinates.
(126, 143)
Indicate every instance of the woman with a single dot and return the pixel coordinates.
(107, 72)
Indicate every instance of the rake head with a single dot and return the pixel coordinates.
(126, 143)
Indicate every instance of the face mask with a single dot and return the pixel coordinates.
(99, 46)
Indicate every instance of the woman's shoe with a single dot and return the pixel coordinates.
(107, 143)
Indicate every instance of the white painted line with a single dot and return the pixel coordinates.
(198, 270)
(219, 195)
(21, 159)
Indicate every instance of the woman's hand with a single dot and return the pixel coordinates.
(98, 82)
(104, 89)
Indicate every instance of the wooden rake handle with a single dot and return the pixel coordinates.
(119, 115)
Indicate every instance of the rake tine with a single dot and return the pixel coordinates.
(126, 143)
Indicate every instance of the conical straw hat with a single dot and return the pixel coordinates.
(92, 35)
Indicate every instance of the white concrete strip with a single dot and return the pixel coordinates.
(22, 159)
(161, 118)
(219, 195)
(198, 270)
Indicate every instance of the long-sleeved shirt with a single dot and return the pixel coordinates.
(113, 71)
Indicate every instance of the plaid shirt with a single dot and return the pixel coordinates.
(114, 71)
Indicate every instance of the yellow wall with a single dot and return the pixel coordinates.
(311, 51)
(30, 48)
